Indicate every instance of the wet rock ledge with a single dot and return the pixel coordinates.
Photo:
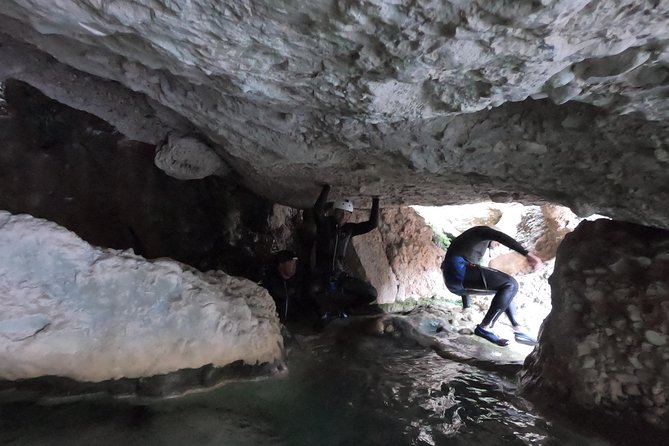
(605, 344)
(55, 388)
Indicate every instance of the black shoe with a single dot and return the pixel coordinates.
(490, 336)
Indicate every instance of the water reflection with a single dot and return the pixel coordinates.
(371, 392)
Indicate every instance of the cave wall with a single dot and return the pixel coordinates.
(605, 344)
(72, 168)
(431, 102)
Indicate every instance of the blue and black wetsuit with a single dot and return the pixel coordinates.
(331, 243)
(463, 274)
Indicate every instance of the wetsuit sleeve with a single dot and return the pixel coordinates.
(491, 234)
(319, 206)
(366, 226)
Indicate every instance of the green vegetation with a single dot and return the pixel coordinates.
(409, 304)
(440, 238)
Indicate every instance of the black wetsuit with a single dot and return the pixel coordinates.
(331, 243)
(285, 292)
(464, 276)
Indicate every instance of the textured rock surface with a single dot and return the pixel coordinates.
(90, 314)
(72, 168)
(605, 345)
(415, 260)
(436, 102)
(186, 158)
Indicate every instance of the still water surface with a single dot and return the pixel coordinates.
(368, 392)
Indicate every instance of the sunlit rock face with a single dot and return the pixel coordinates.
(400, 258)
(90, 314)
(605, 345)
(432, 103)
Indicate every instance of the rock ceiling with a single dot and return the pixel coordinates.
(421, 102)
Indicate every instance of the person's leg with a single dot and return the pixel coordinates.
(466, 301)
(505, 287)
(511, 314)
(520, 333)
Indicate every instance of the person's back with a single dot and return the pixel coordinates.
(473, 243)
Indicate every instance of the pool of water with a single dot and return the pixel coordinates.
(365, 391)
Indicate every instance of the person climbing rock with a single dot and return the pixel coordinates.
(335, 289)
(464, 276)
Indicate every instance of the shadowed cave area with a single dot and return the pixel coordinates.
(147, 183)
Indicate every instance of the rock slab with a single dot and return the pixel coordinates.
(76, 311)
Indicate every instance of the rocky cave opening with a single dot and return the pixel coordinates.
(181, 162)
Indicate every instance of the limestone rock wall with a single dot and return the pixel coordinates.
(605, 344)
(425, 103)
(76, 311)
(401, 260)
(415, 258)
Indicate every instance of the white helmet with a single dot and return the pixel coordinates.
(344, 205)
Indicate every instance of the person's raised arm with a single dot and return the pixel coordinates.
(366, 226)
(319, 206)
(492, 234)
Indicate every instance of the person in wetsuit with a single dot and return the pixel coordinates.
(333, 234)
(283, 284)
(463, 275)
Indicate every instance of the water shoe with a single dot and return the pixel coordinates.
(490, 336)
(524, 338)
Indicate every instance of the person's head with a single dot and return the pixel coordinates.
(343, 209)
(286, 263)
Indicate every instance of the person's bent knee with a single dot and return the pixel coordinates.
(512, 285)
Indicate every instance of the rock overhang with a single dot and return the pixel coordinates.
(436, 103)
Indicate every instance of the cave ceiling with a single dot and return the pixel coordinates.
(422, 102)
